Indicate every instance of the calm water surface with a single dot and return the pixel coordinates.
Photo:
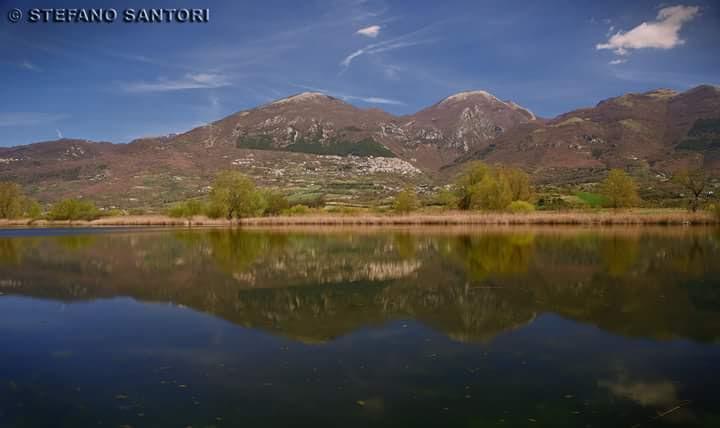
(480, 328)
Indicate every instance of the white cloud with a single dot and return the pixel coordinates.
(660, 34)
(27, 65)
(28, 118)
(618, 61)
(371, 31)
(189, 81)
(59, 133)
(658, 393)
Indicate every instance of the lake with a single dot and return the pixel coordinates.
(553, 327)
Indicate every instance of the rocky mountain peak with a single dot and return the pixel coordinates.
(303, 97)
(469, 96)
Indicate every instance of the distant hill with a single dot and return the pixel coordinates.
(314, 143)
(659, 130)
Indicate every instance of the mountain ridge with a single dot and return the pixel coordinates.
(311, 139)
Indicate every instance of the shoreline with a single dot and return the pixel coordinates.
(638, 217)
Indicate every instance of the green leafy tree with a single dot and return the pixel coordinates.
(10, 200)
(406, 201)
(487, 188)
(491, 193)
(276, 202)
(619, 190)
(73, 209)
(235, 195)
(14, 204)
(519, 183)
(465, 185)
(31, 208)
(694, 181)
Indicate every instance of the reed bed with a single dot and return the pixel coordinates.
(499, 219)
(636, 217)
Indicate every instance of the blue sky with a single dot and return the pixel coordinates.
(116, 82)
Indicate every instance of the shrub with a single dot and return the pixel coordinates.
(553, 203)
(275, 202)
(73, 209)
(297, 210)
(114, 212)
(521, 207)
(715, 210)
(312, 200)
(345, 210)
(187, 209)
(215, 211)
(446, 199)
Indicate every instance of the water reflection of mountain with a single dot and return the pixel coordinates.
(315, 287)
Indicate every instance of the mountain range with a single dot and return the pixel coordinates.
(315, 143)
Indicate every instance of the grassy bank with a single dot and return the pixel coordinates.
(605, 217)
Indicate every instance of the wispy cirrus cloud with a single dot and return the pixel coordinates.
(663, 33)
(10, 119)
(189, 81)
(371, 31)
(404, 41)
(371, 100)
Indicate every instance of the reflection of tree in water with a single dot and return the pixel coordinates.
(10, 251)
(690, 256)
(74, 242)
(405, 245)
(494, 254)
(234, 251)
(320, 286)
(619, 254)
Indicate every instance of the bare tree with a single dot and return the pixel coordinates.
(695, 181)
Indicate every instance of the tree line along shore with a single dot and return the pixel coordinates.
(481, 194)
